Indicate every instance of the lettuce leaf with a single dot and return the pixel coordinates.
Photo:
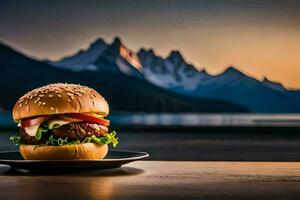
(42, 129)
(109, 138)
(106, 139)
(16, 140)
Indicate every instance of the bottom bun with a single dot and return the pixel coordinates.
(86, 151)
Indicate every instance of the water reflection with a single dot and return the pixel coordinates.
(190, 119)
(206, 119)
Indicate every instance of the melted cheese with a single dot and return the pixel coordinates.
(54, 123)
(96, 115)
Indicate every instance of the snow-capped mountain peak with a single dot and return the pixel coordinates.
(175, 57)
(131, 57)
(174, 73)
(98, 43)
(151, 51)
(171, 72)
(83, 59)
(102, 56)
(117, 57)
(142, 53)
(117, 41)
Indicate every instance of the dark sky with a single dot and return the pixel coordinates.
(260, 37)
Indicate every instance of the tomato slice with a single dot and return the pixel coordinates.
(72, 117)
(89, 118)
(35, 120)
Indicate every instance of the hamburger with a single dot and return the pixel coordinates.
(62, 122)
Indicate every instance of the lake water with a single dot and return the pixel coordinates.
(181, 144)
(201, 145)
(192, 120)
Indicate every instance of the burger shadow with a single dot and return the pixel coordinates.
(122, 171)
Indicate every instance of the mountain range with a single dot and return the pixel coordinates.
(112, 70)
(174, 74)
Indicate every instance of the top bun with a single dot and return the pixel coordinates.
(60, 98)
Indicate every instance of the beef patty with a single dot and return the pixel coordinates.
(73, 131)
(80, 130)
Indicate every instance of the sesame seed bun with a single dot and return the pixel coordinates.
(60, 99)
(86, 151)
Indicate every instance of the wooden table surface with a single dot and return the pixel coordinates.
(161, 180)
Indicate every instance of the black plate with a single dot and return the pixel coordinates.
(114, 159)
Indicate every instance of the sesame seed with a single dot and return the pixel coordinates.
(72, 91)
(51, 108)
